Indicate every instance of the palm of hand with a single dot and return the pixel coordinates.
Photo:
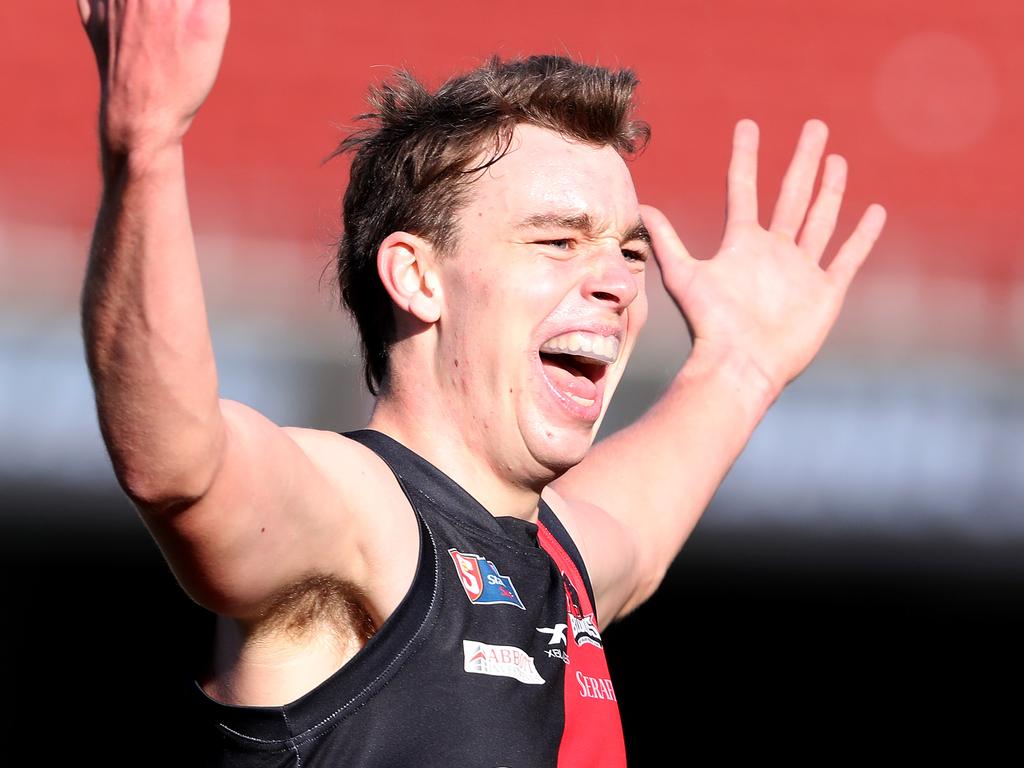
(764, 296)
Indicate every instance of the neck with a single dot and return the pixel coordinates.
(439, 440)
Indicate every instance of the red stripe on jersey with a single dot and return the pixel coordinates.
(593, 730)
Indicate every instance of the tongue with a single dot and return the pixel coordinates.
(568, 380)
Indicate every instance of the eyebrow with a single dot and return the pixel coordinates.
(582, 222)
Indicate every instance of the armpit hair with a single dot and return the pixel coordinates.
(316, 604)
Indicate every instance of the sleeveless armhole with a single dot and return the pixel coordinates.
(286, 728)
(549, 520)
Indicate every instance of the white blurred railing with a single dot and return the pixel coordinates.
(897, 427)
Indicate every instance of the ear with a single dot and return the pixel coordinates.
(406, 267)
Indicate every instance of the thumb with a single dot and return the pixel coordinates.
(673, 259)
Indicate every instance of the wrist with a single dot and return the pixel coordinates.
(123, 163)
(731, 371)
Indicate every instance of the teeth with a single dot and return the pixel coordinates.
(604, 349)
(582, 401)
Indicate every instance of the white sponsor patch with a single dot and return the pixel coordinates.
(500, 661)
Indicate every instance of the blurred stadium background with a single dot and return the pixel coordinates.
(868, 545)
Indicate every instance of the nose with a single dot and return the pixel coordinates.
(609, 279)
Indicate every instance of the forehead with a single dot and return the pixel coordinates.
(544, 172)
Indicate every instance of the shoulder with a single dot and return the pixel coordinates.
(380, 520)
(342, 460)
(292, 504)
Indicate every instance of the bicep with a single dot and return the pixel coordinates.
(271, 516)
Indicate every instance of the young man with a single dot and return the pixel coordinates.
(455, 562)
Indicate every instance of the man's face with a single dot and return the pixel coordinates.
(543, 300)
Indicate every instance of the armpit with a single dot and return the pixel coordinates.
(314, 605)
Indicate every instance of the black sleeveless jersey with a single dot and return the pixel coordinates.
(492, 660)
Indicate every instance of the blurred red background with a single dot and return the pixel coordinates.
(924, 99)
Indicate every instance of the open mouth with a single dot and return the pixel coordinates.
(575, 364)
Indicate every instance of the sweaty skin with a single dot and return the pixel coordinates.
(258, 521)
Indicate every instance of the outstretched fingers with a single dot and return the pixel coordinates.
(821, 220)
(798, 183)
(857, 247)
(742, 179)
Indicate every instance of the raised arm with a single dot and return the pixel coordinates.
(758, 312)
(143, 316)
(240, 507)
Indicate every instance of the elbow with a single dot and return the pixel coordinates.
(169, 481)
(155, 492)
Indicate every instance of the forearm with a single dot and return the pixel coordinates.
(659, 474)
(146, 336)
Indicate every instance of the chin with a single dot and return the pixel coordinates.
(556, 450)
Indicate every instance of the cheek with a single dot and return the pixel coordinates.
(469, 288)
(476, 344)
(545, 287)
(468, 300)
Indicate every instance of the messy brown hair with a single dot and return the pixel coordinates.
(413, 165)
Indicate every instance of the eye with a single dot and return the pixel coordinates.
(562, 244)
(631, 255)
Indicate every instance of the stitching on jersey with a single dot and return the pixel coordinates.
(253, 738)
(400, 655)
(459, 522)
(288, 724)
(471, 530)
(299, 738)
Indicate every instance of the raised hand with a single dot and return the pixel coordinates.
(158, 60)
(764, 299)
